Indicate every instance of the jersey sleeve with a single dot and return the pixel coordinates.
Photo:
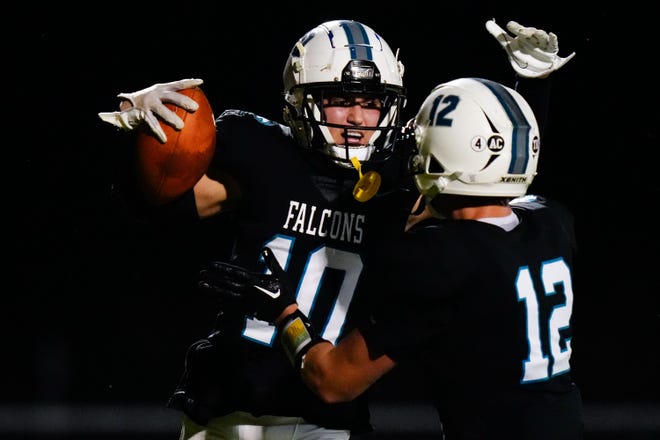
(411, 310)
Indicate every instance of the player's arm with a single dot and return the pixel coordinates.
(335, 373)
(209, 196)
(147, 107)
(342, 372)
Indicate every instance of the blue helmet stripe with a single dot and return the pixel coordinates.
(358, 40)
(521, 126)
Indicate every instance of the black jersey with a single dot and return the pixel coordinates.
(487, 313)
(301, 206)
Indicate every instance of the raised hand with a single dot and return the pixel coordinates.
(533, 53)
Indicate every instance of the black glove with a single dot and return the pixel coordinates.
(261, 295)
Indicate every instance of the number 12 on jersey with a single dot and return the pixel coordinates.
(540, 366)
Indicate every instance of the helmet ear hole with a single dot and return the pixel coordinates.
(435, 167)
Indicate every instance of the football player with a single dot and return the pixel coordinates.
(480, 295)
(336, 186)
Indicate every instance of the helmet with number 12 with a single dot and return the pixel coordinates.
(476, 137)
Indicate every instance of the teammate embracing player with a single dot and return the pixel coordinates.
(335, 187)
(480, 295)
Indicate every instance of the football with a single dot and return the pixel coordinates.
(166, 171)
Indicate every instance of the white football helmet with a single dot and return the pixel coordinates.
(478, 138)
(342, 57)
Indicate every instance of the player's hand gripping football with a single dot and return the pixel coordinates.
(533, 53)
(149, 103)
(262, 295)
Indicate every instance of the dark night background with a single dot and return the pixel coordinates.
(98, 309)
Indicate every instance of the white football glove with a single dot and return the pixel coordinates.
(532, 52)
(150, 102)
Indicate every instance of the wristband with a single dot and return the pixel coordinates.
(297, 336)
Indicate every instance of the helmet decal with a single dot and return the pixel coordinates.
(358, 40)
(521, 126)
(484, 141)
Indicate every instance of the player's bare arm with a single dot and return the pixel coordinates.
(341, 373)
